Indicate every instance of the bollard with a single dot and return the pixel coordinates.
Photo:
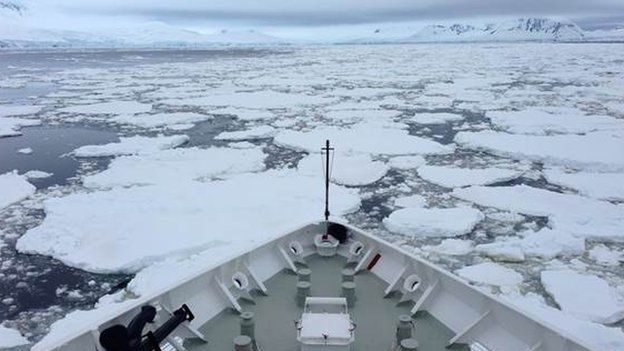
(247, 325)
(348, 275)
(348, 292)
(303, 291)
(404, 328)
(242, 343)
(409, 345)
(303, 274)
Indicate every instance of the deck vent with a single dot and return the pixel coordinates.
(295, 248)
(356, 248)
(411, 283)
(240, 281)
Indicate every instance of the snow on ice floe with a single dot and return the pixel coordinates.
(245, 114)
(584, 296)
(604, 186)
(10, 126)
(592, 151)
(578, 215)
(545, 243)
(606, 256)
(10, 338)
(362, 138)
(435, 118)
(264, 99)
(260, 132)
(18, 110)
(172, 166)
(36, 174)
(172, 221)
(132, 146)
(540, 122)
(406, 162)
(354, 170)
(597, 336)
(490, 273)
(170, 120)
(433, 221)
(453, 177)
(14, 188)
(109, 108)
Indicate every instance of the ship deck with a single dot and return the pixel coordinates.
(375, 316)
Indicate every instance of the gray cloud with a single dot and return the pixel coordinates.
(326, 12)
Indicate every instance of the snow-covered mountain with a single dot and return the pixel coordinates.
(522, 29)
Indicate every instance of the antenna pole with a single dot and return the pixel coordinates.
(327, 150)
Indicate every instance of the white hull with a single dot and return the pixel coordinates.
(474, 316)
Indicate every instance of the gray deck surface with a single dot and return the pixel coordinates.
(375, 316)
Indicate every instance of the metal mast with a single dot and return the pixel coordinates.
(327, 150)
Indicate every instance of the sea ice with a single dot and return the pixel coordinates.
(14, 188)
(406, 162)
(25, 151)
(490, 273)
(265, 99)
(578, 215)
(411, 201)
(10, 126)
(260, 132)
(36, 174)
(592, 151)
(170, 120)
(603, 255)
(451, 247)
(445, 222)
(127, 229)
(596, 335)
(435, 118)
(604, 186)
(352, 170)
(171, 166)
(539, 122)
(453, 177)
(135, 145)
(362, 138)
(244, 113)
(10, 338)
(584, 296)
(18, 110)
(111, 107)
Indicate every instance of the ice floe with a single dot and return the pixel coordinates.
(132, 146)
(177, 165)
(10, 126)
(127, 229)
(584, 296)
(604, 186)
(10, 338)
(435, 118)
(25, 151)
(264, 99)
(453, 177)
(592, 151)
(606, 256)
(170, 120)
(490, 273)
(406, 162)
(539, 122)
(362, 138)
(18, 110)
(244, 113)
(353, 170)
(14, 188)
(260, 132)
(597, 336)
(109, 108)
(445, 222)
(578, 215)
(36, 174)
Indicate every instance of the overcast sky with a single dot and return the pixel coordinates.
(318, 13)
